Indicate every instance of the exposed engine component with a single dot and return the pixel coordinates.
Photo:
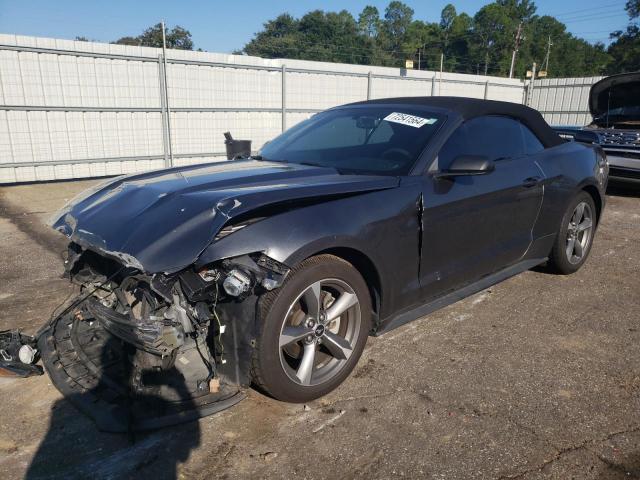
(168, 336)
(236, 283)
(27, 354)
(157, 349)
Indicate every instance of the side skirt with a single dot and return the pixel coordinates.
(464, 292)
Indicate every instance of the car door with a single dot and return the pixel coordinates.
(476, 225)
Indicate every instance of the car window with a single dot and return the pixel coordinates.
(376, 139)
(489, 136)
(531, 143)
(381, 134)
(340, 132)
(455, 146)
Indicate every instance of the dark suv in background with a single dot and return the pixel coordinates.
(614, 103)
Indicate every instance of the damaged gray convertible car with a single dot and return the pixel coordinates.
(197, 282)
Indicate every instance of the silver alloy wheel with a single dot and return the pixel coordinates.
(319, 332)
(579, 233)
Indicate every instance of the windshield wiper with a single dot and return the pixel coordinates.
(309, 164)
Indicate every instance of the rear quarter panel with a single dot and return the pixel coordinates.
(567, 168)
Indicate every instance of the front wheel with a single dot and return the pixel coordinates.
(575, 236)
(312, 330)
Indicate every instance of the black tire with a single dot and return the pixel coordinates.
(268, 372)
(559, 261)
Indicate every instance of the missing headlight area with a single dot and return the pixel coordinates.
(140, 351)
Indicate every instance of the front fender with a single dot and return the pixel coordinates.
(289, 237)
(382, 225)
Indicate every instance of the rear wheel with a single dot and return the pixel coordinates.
(312, 330)
(575, 236)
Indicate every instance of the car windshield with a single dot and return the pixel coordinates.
(378, 140)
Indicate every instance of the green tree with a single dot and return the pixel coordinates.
(492, 27)
(447, 17)
(494, 32)
(458, 44)
(397, 21)
(333, 37)
(369, 21)
(318, 35)
(423, 42)
(177, 37)
(455, 31)
(625, 50)
(397, 18)
(279, 39)
(135, 41)
(519, 10)
(568, 56)
(481, 44)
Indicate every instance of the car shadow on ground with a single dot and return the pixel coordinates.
(74, 447)
(626, 467)
(614, 189)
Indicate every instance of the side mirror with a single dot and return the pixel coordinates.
(466, 165)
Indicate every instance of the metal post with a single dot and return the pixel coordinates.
(513, 62)
(369, 80)
(433, 85)
(166, 93)
(486, 89)
(284, 97)
(515, 50)
(441, 68)
(546, 60)
(163, 108)
(531, 83)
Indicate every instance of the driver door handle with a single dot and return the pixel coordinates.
(531, 182)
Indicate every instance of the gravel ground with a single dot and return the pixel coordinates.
(537, 377)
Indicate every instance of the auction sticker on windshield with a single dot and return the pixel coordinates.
(409, 120)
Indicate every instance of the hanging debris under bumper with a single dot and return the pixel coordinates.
(104, 377)
(18, 353)
(137, 351)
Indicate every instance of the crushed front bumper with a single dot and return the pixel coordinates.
(92, 368)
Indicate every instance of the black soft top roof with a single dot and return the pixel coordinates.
(475, 107)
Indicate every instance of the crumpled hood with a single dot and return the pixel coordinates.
(620, 94)
(161, 221)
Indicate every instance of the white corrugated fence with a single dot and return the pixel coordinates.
(83, 109)
(563, 101)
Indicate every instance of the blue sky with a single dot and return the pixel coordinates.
(224, 26)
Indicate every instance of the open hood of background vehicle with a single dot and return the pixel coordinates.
(161, 221)
(620, 96)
